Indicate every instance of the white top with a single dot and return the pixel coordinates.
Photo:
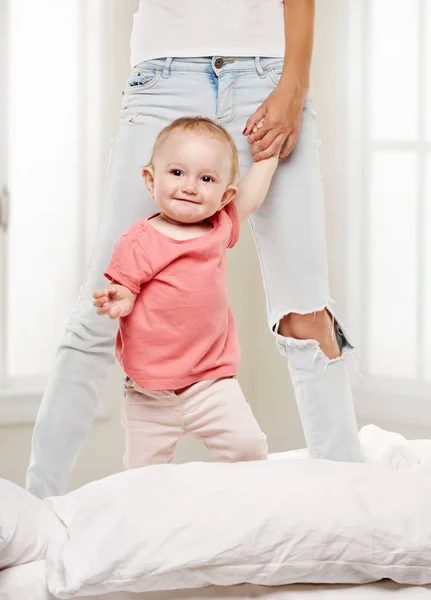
(186, 28)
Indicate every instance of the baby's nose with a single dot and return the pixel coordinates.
(190, 187)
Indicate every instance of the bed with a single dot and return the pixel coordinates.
(292, 529)
(27, 582)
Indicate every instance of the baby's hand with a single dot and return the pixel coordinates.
(258, 126)
(115, 301)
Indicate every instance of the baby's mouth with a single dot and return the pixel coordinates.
(187, 200)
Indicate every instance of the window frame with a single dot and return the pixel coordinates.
(20, 397)
(405, 403)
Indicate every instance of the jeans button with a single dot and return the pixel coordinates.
(218, 63)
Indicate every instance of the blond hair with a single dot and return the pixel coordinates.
(198, 125)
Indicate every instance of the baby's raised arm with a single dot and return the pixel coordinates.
(254, 186)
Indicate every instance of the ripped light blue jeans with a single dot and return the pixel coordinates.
(290, 237)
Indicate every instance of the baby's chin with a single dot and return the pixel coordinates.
(190, 214)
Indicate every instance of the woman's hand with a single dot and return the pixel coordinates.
(116, 301)
(275, 125)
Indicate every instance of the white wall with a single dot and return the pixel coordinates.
(263, 373)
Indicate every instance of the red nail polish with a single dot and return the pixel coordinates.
(245, 129)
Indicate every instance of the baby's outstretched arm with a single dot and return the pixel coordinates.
(254, 186)
(114, 301)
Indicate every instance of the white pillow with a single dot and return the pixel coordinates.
(300, 454)
(26, 526)
(24, 582)
(67, 505)
(266, 522)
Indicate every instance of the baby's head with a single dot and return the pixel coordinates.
(192, 169)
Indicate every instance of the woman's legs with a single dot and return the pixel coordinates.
(79, 374)
(289, 230)
(78, 378)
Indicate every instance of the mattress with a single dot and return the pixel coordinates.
(27, 582)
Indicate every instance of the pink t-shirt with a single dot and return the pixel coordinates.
(181, 329)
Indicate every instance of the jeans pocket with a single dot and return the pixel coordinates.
(274, 73)
(142, 80)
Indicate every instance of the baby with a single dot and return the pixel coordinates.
(177, 341)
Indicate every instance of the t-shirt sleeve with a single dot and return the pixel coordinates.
(231, 212)
(129, 264)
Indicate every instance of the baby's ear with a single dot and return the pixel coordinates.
(229, 195)
(148, 177)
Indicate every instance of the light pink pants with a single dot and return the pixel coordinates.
(215, 412)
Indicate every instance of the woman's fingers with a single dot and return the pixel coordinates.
(289, 145)
(264, 143)
(272, 149)
(258, 126)
(258, 132)
(257, 116)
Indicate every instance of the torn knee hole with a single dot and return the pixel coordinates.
(303, 326)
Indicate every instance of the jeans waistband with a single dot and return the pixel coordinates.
(217, 64)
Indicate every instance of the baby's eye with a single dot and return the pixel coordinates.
(207, 178)
(176, 172)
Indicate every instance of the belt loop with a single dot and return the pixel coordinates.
(166, 68)
(259, 69)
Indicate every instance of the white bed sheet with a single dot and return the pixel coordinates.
(27, 582)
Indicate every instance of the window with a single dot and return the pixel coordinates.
(390, 208)
(51, 183)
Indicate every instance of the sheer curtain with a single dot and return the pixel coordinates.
(373, 74)
(52, 179)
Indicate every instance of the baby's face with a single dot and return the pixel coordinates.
(191, 176)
